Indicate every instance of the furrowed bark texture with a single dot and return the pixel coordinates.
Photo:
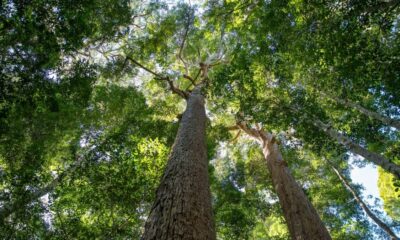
(302, 219)
(364, 206)
(182, 209)
(355, 148)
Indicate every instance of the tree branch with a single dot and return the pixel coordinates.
(233, 128)
(236, 137)
(183, 44)
(197, 75)
(145, 68)
(158, 76)
(250, 131)
(190, 79)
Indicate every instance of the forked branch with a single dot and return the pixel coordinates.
(158, 76)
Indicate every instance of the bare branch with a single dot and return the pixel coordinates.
(185, 64)
(145, 68)
(190, 79)
(233, 128)
(140, 15)
(197, 75)
(236, 137)
(176, 90)
(158, 76)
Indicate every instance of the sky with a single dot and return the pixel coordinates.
(368, 177)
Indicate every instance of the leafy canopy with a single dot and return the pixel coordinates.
(87, 121)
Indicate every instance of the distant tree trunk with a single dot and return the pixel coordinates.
(182, 209)
(364, 206)
(355, 148)
(386, 120)
(302, 219)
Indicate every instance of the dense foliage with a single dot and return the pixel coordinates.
(87, 120)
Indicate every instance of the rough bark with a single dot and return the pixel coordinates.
(356, 148)
(381, 224)
(385, 120)
(302, 219)
(182, 208)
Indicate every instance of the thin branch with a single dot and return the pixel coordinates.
(363, 205)
(176, 90)
(145, 68)
(158, 76)
(236, 137)
(140, 15)
(204, 72)
(183, 44)
(185, 65)
(190, 79)
(197, 75)
(198, 53)
(233, 128)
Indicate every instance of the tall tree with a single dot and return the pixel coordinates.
(350, 104)
(91, 80)
(182, 207)
(364, 206)
(302, 218)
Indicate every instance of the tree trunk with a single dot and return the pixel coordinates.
(386, 120)
(182, 208)
(381, 224)
(302, 219)
(355, 148)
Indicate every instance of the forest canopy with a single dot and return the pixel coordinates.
(214, 119)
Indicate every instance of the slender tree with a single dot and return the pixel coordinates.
(356, 148)
(364, 206)
(340, 138)
(352, 105)
(302, 219)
